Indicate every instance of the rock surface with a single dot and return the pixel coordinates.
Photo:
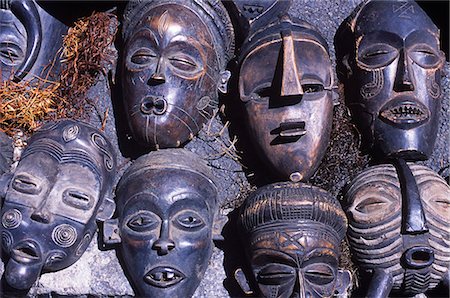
(99, 273)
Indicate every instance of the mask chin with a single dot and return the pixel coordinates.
(343, 282)
(22, 276)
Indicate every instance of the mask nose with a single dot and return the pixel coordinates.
(403, 80)
(158, 76)
(290, 79)
(419, 257)
(164, 244)
(41, 215)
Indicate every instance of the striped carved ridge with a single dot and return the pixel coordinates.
(374, 210)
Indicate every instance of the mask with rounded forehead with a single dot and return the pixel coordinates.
(23, 47)
(166, 204)
(292, 235)
(173, 64)
(389, 53)
(285, 81)
(410, 261)
(61, 185)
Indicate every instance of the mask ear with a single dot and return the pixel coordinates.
(219, 222)
(106, 210)
(111, 234)
(343, 283)
(224, 77)
(5, 180)
(347, 67)
(242, 281)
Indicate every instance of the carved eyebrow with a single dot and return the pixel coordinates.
(147, 31)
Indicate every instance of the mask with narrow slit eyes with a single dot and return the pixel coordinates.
(61, 185)
(293, 245)
(166, 202)
(416, 261)
(389, 55)
(24, 49)
(173, 66)
(286, 82)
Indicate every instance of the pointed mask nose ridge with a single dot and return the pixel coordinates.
(403, 77)
(42, 213)
(301, 286)
(290, 81)
(164, 244)
(158, 76)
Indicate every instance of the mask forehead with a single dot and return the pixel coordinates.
(387, 15)
(169, 21)
(309, 58)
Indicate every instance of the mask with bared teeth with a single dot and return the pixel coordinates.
(390, 62)
(166, 203)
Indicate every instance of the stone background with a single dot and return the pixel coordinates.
(98, 272)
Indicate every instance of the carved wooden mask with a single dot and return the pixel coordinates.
(292, 234)
(386, 245)
(62, 184)
(166, 203)
(173, 64)
(389, 54)
(286, 82)
(23, 46)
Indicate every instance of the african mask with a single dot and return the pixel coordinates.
(388, 53)
(61, 186)
(173, 64)
(292, 235)
(166, 203)
(285, 81)
(400, 241)
(24, 49)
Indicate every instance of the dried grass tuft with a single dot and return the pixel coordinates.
(24, 106)
(88, 51)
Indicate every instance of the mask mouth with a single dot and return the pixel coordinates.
(163, 276)
(26, 252)
(152, 105)
(419, 257)
(290, 130)
(404, 112)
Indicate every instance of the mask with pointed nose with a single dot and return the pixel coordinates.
(173, 65)
(389, 59)
(166, 202)
(24, 50)
(399, 228)
(62, 184)
(285, 82)
(292, 234)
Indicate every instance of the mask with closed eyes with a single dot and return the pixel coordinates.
(392, 248)
(173, 64)
(389, 57)
(166, 203)
(292, 234)
(286, 82)
(24, 49)
(61, 186)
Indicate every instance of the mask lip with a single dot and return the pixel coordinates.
(155, 275)
(404, 112)
(26, 252)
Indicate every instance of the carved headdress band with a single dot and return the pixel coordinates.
(211, 11)
(292, 202)
(70, 141)
(168, 159)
